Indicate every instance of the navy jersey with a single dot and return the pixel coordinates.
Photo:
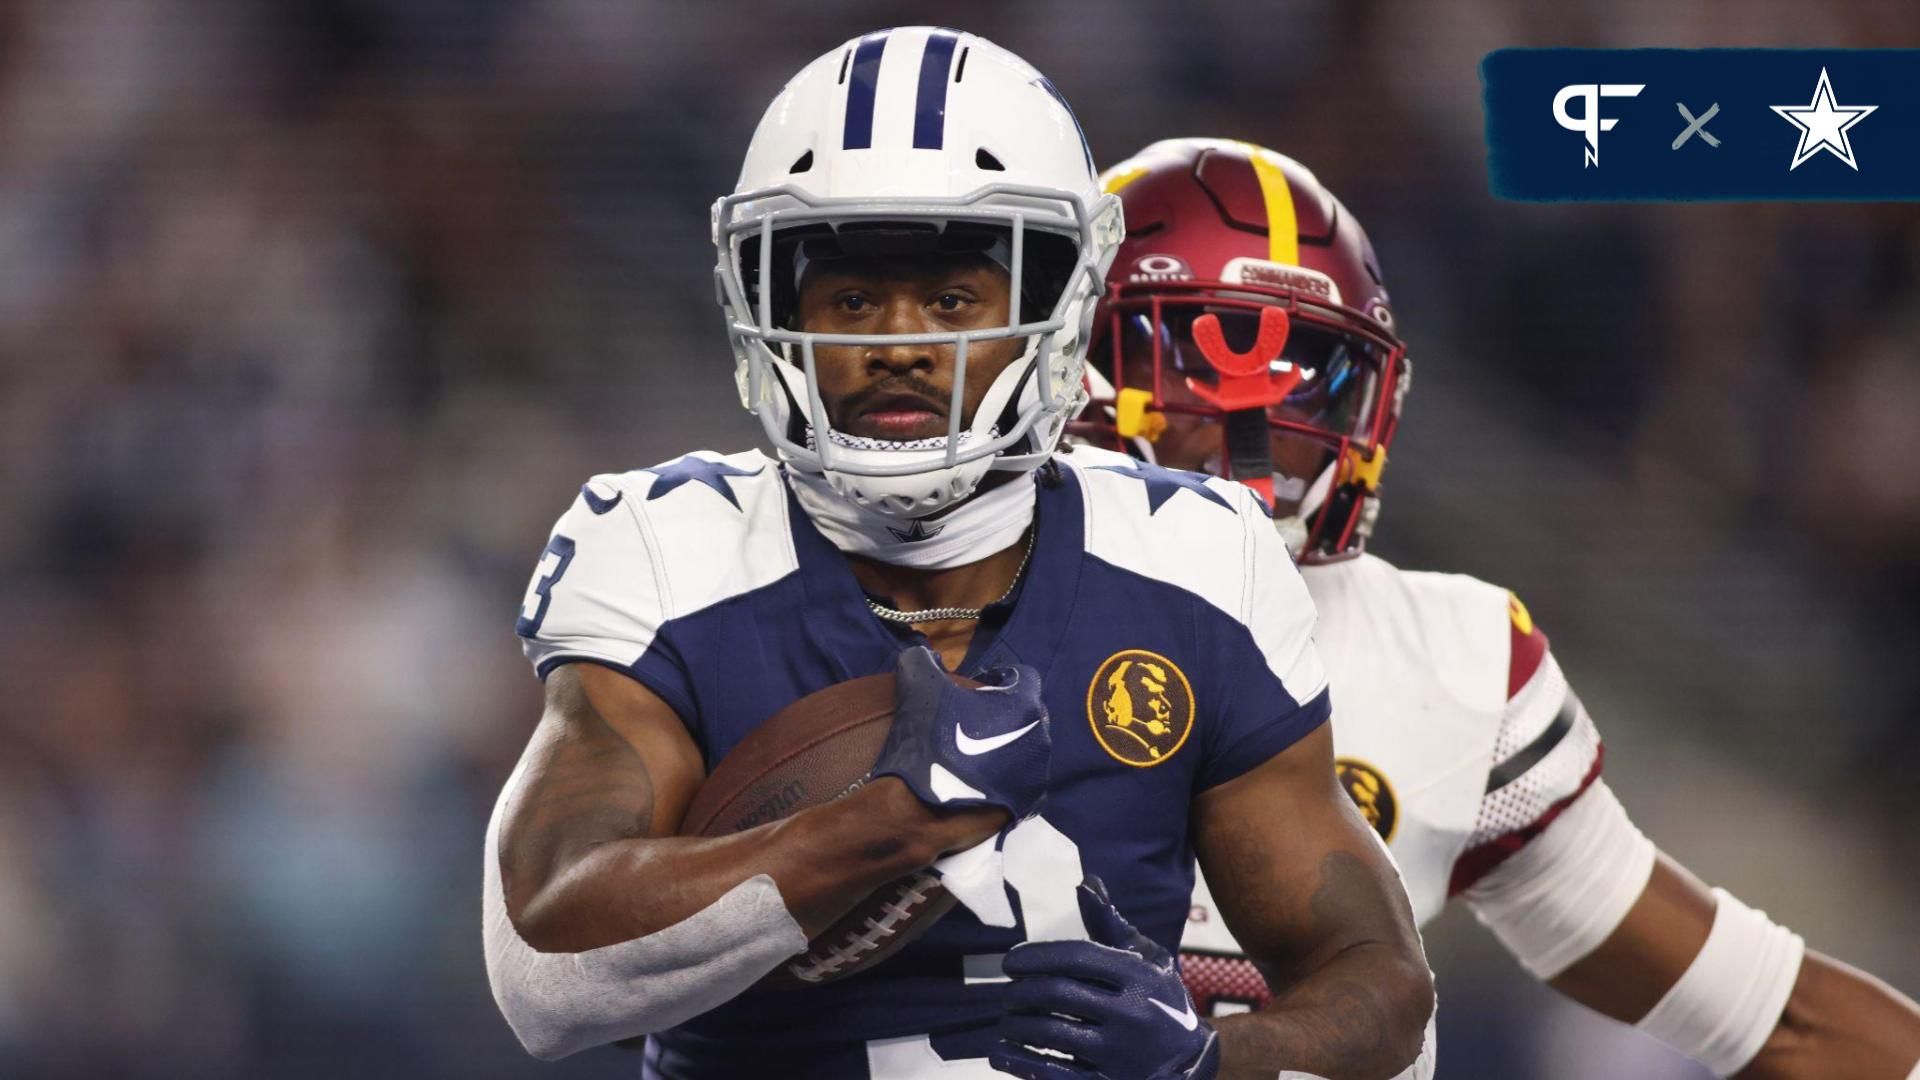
(1171, 631)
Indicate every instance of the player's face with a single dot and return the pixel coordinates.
(902, 392)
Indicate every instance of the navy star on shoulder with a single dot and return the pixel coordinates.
(714, 474)
(598, 505)
(1163, 484)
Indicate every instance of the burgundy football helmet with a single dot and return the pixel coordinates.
(1245, 332)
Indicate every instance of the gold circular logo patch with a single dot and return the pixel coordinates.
(1369, 790)
(1141, 707)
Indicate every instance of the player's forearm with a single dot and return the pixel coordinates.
(823, 861)
(1361, 1015)
(1840, 1022)
(1318, 905)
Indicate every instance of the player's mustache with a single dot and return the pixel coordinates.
(905, 384)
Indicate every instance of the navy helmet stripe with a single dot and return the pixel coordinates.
(866, 71)
(930, 109)
(1085, 147)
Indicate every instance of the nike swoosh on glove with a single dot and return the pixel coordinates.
(1114, 1006)
(956, 746)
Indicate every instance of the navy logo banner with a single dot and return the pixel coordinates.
(1685, 124)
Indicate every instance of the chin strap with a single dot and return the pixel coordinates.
(1351, 501)
(1250, 452)
(984, 523)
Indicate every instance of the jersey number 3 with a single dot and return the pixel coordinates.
(553, 564)
(1042, 864)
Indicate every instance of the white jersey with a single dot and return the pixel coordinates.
(1454, 731)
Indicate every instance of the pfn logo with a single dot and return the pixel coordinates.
(1589, 122)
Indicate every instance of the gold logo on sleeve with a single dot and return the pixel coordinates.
(1141, 707)
(1369, 790)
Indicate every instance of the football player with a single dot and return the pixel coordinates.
(908, 268)
(1247, 334)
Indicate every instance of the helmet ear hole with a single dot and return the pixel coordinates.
(984, 159)
(802, 163)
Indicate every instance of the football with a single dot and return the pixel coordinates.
(812, 752)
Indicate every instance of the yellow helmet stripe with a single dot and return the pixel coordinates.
(1283, 231)
(1121, 175)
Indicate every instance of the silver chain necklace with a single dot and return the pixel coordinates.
(940, 614)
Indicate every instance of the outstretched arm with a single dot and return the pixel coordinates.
(1588, 905)
(1585, 902)
(1837, 1021)
(1840, 1021)
(1310, 893)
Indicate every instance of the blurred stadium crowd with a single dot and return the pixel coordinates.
(315, 313)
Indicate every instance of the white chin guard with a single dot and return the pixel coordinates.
(917, 478)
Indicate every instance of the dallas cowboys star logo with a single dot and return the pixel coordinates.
(919, 530)
(714, 474)
(1163, 484)
(598, 505)
(1823, 125)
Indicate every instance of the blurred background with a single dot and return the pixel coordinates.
(314, 314)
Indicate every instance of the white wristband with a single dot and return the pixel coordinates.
(1730, 999)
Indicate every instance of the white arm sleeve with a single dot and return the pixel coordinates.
(1556, 899)
(562, 1003)
(1559, 897)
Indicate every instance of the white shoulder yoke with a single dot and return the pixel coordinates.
(641, 548)
(1180, 528)
(1209, 537)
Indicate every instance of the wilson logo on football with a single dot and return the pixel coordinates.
(1141, 707)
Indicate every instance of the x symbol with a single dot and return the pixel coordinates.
(1696, 127)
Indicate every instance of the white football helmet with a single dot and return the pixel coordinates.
(942, 141)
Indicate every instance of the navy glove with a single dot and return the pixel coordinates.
(956, 746)
(1115, 1004)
